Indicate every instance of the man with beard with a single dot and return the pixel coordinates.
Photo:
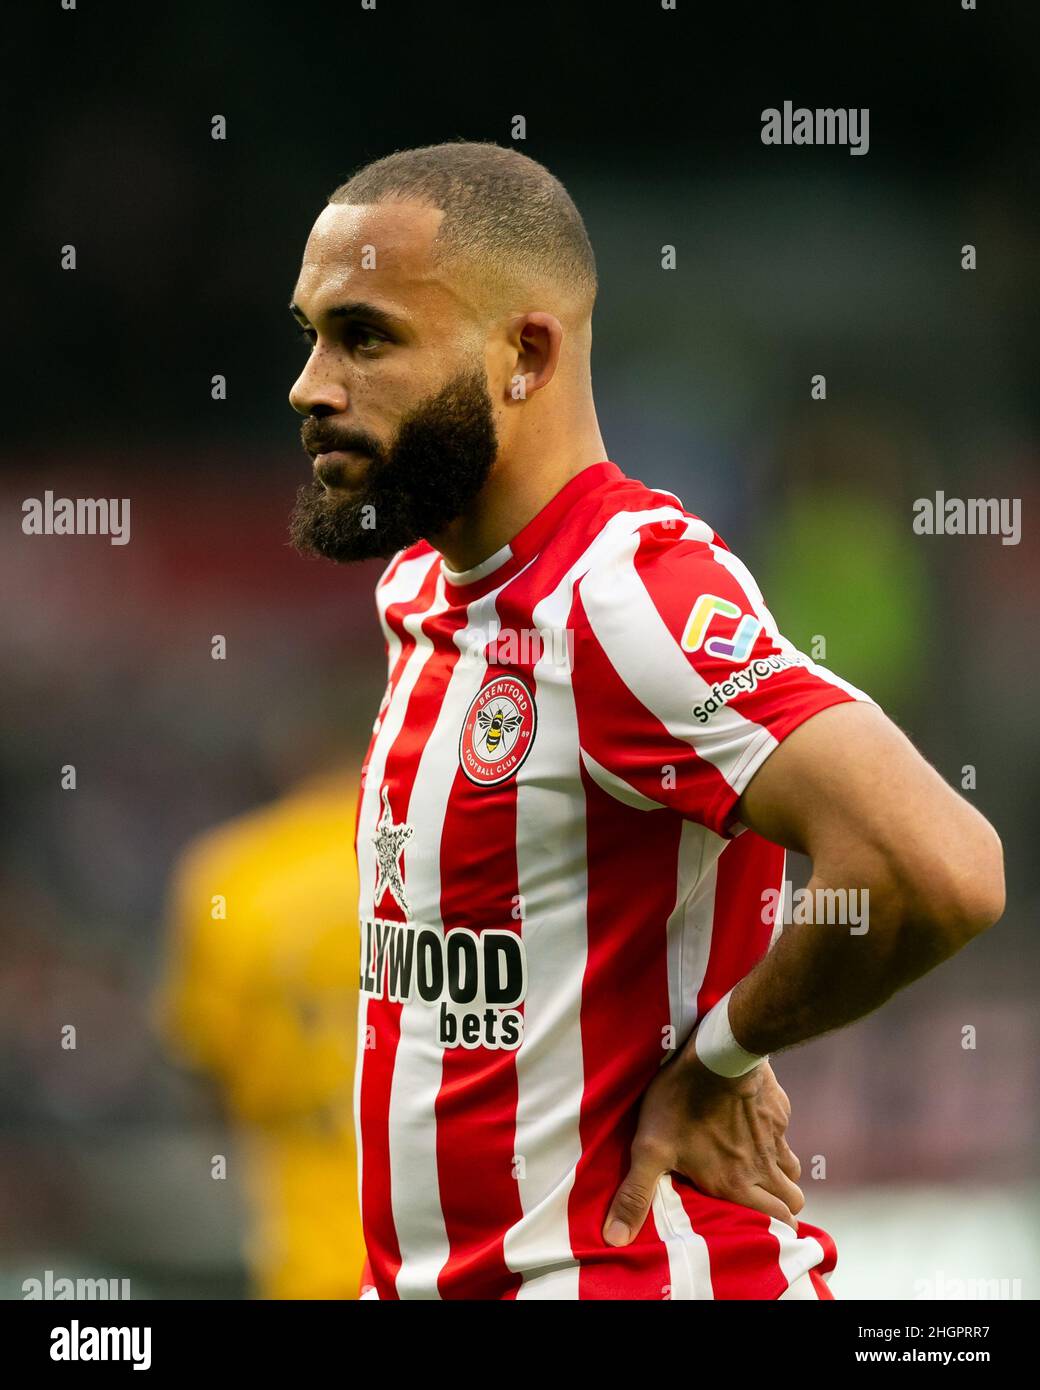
(569, 985)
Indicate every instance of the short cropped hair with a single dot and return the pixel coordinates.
(505, 215)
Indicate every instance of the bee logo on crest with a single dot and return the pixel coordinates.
(498, 731)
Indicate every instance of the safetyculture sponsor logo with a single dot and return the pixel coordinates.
(743, 683)
(737, 646)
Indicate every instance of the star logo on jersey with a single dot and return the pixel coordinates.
(389, 840)
(737, 646)
(498, 731)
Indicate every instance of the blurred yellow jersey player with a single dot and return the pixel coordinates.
(260, 992)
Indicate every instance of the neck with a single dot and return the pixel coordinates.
(522, 482)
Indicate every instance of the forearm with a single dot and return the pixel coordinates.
(927, 867)
(820, 975)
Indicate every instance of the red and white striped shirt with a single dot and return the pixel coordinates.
(553, 891)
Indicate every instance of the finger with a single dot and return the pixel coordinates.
(787, 1159)
(632, 1201)
(759, 1199)
(777, 1179)
(779, 1185)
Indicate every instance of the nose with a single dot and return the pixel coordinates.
(316, 391)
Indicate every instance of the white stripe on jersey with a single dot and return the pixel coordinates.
(688, 1263)
(552, 881)
(616, 786)
(798, 1254)
(781, 907)
(552, 1285)
(690, 924)
(802, 1288)
(651, 663)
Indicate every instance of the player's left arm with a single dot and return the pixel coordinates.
(849, 790)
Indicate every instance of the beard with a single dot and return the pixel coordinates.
(441, 457)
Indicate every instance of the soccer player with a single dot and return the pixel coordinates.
(257, 996)
(593, 749)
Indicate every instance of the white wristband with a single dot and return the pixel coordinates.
(717, 1048)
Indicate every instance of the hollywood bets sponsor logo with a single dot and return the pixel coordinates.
(498, 731)
(474, 982)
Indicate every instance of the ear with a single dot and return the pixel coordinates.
(538, 339)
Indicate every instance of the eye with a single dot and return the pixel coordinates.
(359, 334)
(366, 340)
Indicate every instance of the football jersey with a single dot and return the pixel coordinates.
(554, 889)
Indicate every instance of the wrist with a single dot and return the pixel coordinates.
(715, 1047)
(704, 1088)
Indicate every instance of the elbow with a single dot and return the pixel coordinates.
(983, 895)
(965, 894)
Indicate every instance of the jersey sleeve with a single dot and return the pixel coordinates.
(683, 684)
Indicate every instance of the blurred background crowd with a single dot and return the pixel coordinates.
(199, 1035)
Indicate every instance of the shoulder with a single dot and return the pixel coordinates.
(648, 525)
(654, 557)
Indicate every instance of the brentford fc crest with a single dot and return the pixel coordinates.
(498, 731)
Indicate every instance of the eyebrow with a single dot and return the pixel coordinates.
(360, 311)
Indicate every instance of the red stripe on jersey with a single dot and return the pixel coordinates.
(384, 1251)
(743, 1253)
(820, 1285)
(740, 935)
(624, 1006)
(623, 735)
(357, 807)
